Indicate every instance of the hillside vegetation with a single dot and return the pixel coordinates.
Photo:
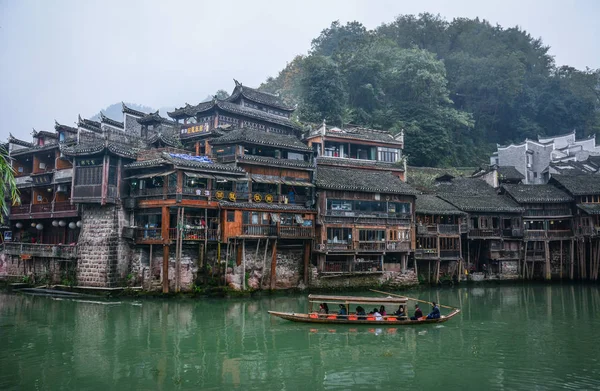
(455, 87)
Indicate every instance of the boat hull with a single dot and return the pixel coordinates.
(305, 318)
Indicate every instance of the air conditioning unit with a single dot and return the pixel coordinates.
(42, 166)
(61, 188)
(528, 165)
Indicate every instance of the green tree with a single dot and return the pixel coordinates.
(8, 186)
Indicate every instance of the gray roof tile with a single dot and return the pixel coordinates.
(370, 181)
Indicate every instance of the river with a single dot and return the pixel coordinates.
(507, 337)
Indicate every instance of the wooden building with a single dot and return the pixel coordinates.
(547, 224)
(365, 223)
(439, 226)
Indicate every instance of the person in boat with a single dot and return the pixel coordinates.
(323, 309)
(360, 312)
(400, 311)
(382, 311)
(342, 313)
(377, 314)
(418, 313)
(435, 312)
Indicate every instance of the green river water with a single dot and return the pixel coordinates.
(507, 337)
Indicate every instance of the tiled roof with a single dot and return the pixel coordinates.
(431, 204)
(129, 110)
(335, 178)
(65, 128)
(509, 173)
(123, 150)
(483, 204)
(578, 185)
(257, 96)
(44, 133)
(265, 206)
(348, 162)
(89, 125)
(364, 134)
(12, 139)
(147, 163)
(190, 111)
(257, 114)
(82, 149)
(271, 161)
(181, 162)
(261, 138)
(465, 186)
(111, 122)
(154, 118)
(167, 139)
(34, 149)
(591, 209)
(536, 193)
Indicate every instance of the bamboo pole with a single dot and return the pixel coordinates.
(412, 298)
(264, 269)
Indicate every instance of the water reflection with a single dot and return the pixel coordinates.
(507, 337)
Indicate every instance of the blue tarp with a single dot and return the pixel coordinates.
(199, 159)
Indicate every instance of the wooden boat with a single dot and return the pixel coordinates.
(390, 302)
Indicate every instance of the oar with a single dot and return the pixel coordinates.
(411, 298)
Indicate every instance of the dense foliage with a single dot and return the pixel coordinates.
(456, 88)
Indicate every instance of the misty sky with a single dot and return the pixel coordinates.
(63, 58)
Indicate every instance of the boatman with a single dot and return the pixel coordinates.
(418, 313)
(435, 311)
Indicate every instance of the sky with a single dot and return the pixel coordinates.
(62, 58)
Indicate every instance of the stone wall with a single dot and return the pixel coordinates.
(362, 280)
(37, 270)
(103, 255)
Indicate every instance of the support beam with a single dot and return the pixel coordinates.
(548, 269)
(572, 260)
(273, 264)
(165, 238)
(306, 260)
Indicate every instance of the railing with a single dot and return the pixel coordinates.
(512, 232)
(547, 212)
(351, 267)
(259, 230)
(587, 231)
(449, 254)
(226, 158)
(427, 229)
(194, 234)
(296, 232)
(41, 208)
(41, 250)
(148, 192)
(487, 232)
(148, 235)
(550, 234)
(340, 219)
(398, 245)
(426, 253)
(339, 246)
(53, 207)
(377, 246)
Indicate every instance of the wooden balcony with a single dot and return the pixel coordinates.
(259, 230)
(504, 254)
(194, 234)
(27, 250)
(555, 212)
(296, 232)
(339, 218)
(438, 229)
(541, 234)
(485, 233)
(587, 231)
(341, 267)
(365, 246)
(449, 254)
(48, 210)
(426, 253)
(148, 236)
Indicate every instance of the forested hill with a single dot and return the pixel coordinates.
(456, 87)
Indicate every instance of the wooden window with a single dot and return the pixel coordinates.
(230, 216)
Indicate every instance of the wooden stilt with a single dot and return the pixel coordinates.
(257, 247)
(437, 273)
(264, 268)
(548, 274)
(524, 268)
(306, 260)
(416, 269)
(150, 267)
(429, 272)
(244, 264)
(572, 260)
(273, 264)
(561, 259)
(165, 238)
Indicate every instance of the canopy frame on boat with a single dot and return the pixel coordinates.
(347, 300)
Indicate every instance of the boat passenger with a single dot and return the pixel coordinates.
(342, 313)
(323, 309)
(382, 311)
(377, 315)
(418, 313)
(435, 312)
(400, 311)
(360, 312)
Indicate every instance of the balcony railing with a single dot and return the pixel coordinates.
(547, 212)
(586, 231)
(334, 267)
(373, 220)
(547, 234)
(364, 246)
(485, 232)
(194, 234)
(53, 207)
(504, 254)
(442, 229)
(87, 191)
(41, 250)
(426, 253)
(148, 235)
(259, 230)
(296, 232)
(449, 254)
